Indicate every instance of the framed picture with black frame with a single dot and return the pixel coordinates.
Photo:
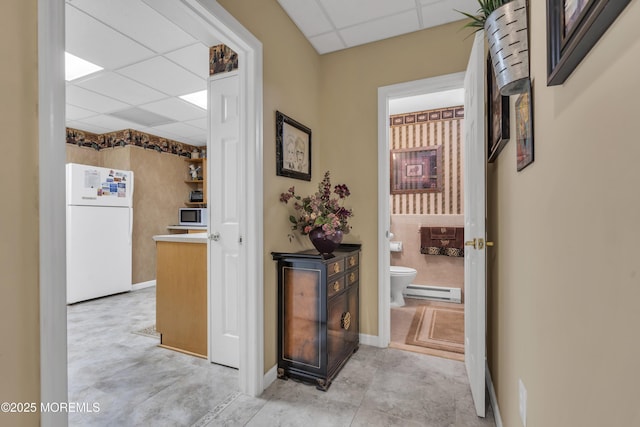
(497, 116)
(293, 148)
(524, 129)
(573, 28)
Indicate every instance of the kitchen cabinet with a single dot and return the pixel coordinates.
(199, 184)
(318, 313)
(181, 292)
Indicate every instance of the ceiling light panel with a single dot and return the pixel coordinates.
(92, 101)
(380, 29)
(198, 99)
(346, 13)
(138, 21)
(194, 58)
(165, 76)
(90, 39)
(307, 15)
(75, 67)
(122, 88)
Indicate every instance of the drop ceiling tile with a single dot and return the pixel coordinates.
(165, 76)
(77, 113)
(176, 109)
(347, 13)
(138, 21)
(80, 125)
(307, 15)
(122, 88)
(89, 100)
(326, 43)
(93, 41)
(199, 123)
(194, 58)
(179, 129)
(381, 29)
(443, 12)
(110, 122)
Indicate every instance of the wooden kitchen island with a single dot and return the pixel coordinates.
(181, 292)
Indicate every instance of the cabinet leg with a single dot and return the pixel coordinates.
(322, 385)
(282, 375)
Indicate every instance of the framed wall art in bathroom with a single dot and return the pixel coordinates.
(416, 170)
(293, 148)
(573, 28)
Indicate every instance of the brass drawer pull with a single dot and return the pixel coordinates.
(352, 261)
(336, 268)
(345, 321)
(352, 277)
(336, 286)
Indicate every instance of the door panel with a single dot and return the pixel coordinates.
(474, 228)
(226, 178)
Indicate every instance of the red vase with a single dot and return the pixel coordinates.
(325, 244)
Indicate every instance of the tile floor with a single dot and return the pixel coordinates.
(137, 383)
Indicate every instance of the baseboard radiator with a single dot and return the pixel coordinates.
(438, 293)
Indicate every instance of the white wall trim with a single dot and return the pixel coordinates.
(143, 285)
(270, 376)
(493, 398)
(52, 211)
(372, 340)
(385, 94)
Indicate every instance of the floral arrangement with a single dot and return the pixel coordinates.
(320, 209)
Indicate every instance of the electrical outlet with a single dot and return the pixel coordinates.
(523, 402)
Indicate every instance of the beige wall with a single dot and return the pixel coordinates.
(19, 307)
(565, 272)
(291, 86)
(159, 192)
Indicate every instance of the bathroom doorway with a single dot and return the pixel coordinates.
(427, 223)
(425, 127)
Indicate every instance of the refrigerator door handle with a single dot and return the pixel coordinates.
(130, 226)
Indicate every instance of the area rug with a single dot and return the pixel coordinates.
(440, 328)
(149, 331)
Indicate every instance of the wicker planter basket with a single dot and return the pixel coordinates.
(506, 32)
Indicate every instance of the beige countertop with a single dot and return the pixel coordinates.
(184, 238)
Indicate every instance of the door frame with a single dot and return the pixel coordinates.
(51, 150)
(386, 94)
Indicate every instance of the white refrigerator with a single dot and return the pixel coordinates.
(99, 231)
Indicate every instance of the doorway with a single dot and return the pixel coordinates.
(211, 17)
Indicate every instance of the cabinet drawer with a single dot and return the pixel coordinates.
(334, 268)
(335, 286)
(352, 277)
(353, 260)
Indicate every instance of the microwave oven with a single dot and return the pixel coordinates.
(193, 216)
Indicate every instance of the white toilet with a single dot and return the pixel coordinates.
(401, 277)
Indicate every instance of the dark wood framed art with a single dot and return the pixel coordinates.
(497, 116)
(293, 148)
(524, 129)
(573, 28)
(416, 170)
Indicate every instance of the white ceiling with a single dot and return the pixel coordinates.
(149, 61)
(332, 25)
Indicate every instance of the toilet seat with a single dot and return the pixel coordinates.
(402, 271)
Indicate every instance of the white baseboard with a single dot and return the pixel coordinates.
(270, 376)
(494, 399)
(142, 285)
(372, 340)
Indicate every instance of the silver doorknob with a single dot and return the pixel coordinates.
(215, 237)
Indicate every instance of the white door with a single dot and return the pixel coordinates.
(474, 224)
(226, 185)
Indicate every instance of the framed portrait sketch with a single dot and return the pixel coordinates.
(416, 170)
(497, 116)
(293, 148)
(573, 28)
(524, 129)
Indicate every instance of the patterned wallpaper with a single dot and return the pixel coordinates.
(427, 129)
(126, 137)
